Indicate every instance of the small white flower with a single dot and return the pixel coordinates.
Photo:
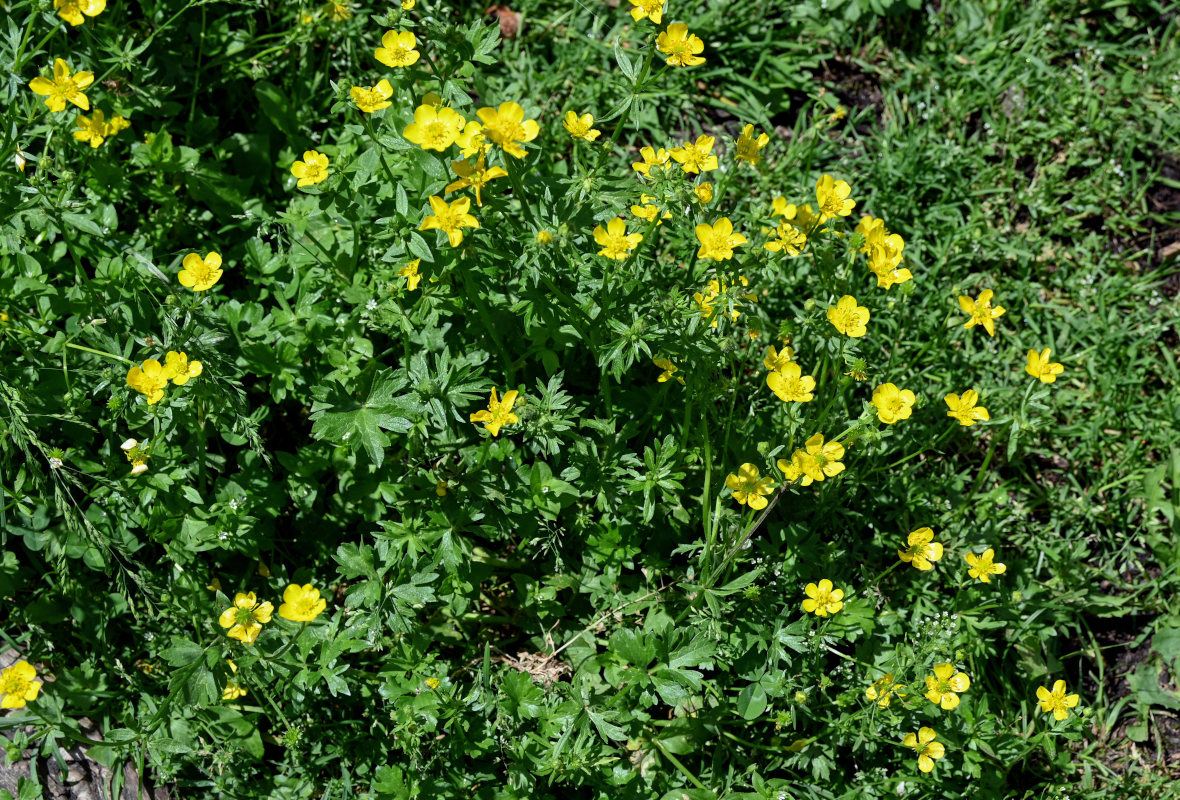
(371, 305)
(127, 445)
(55, 463)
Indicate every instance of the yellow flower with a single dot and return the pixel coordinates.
(790, 384)
(779, 207)
(981, 311)
(1040, 367)
(848, 318)
(818, 460)
(652, 9)
(476, 177)
(92, 130)
(137, 455)
(64, 87)
(681, 47)
(789, 238)
(883, 689)
(245, 617)
(984, 566)
(179, 369)
(712, 292)
(338, 11)
(410, 273)
(669, 370)
(441, 488)
(832, 196)
(233, 690)
(17, 685)
(921, 549)
(372, 98)
(544, 237)
(925, 746)
(748, 147)
(581, 127)
(115, 124)
(884, 253)
(301, 603)
(408, 4)
(1056, 701)
(72, 10)
(823, 599)
(696, 157)
(651, 158)
(718, 240)
(449, 218)
(397, 49)
(892, 404)
(748, 488)
(471, 140)
(649, 211)
(200, 274)
(498, 413)
(312, 169)
(149, 379)
(507, 127)
(964, 409)
(944, 686)
(775, 361)
(434, 128)
(704, 192)
(616, 242)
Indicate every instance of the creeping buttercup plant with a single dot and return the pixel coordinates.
(535, 405)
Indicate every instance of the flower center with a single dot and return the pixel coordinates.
(244, 616)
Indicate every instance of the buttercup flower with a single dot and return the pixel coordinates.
(245, 617)
(718, 240)
(498, 413)
(312, 169)
(471, 140)
(179, 369)
(790, 384)
(372, 98)
(149, 379)
(616, 242)
(984, 566)
(925, 746)
(544, 237)
(397, 49)
(117, 123)
(449, 218)
(476, 177)
(823, 599)
(704, 192)
(696, 157)
(832, 196)
(72, 10)
(884, 251)
(651, 158)
(1056, 701)
(921, 549)
(410, 273)
(652, 9)
(884, 688)
(338, 10)
(748, 147)
(981, 310)
(818, 460)
(200, 273)
(137, 454)
(775, 361)
(849, 318)
(892, 404)
(581, 127)
(787, 237)
(302, 603)
(715, 289)
(434, 128)
(408, 4)
(18, 685)
(669, 370)
(64, 87)
(507, 127)
(945, 685)
(681, 47)
(964, 409)
(649, 211)
(748, 488)
(779, 207)
(233, 690)
(1039, 365)
(92, 130)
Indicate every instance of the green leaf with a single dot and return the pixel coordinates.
(80, 223)
(182, 653)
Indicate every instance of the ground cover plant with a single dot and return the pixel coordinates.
(634, 400)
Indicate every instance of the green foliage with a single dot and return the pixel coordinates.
(575, 603)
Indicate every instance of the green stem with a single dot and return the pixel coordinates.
(100, 353)
(679, 766)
